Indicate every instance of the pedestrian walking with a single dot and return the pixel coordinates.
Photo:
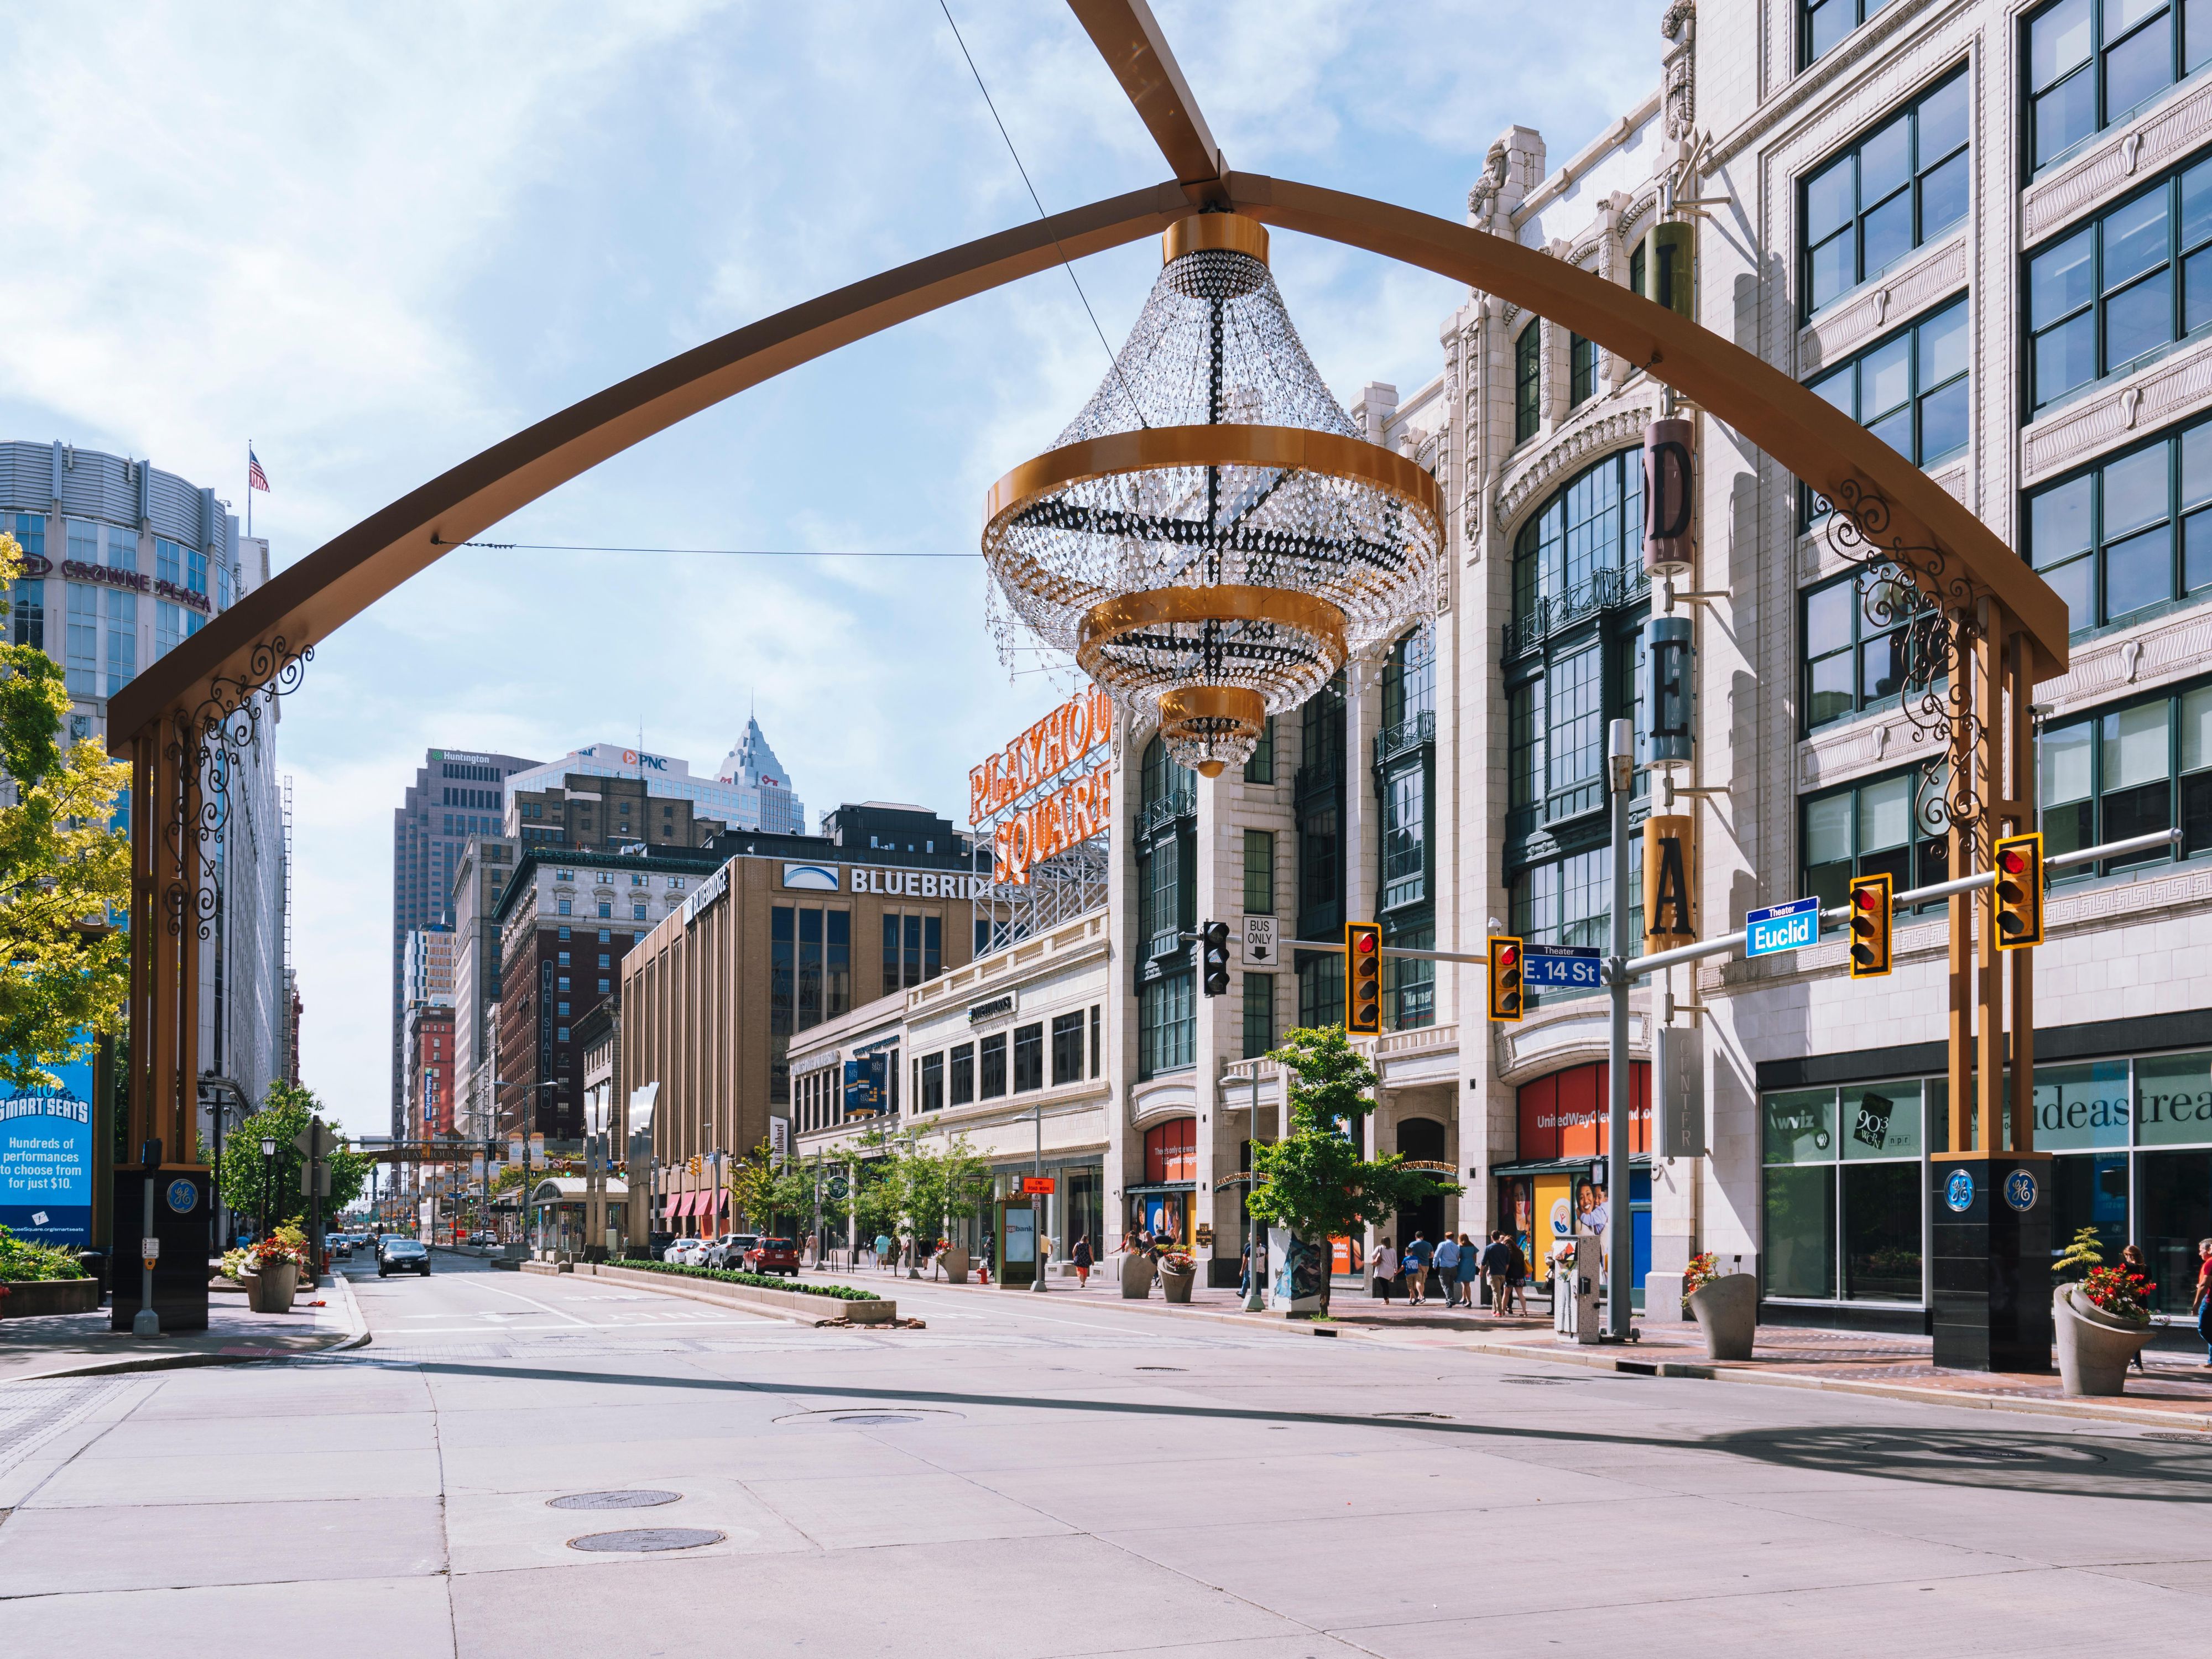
(1384, 1265)
(1417, 1269)
(2203, 1303)
(1469, 1272)
(1516, 1275)
(1497, 1268)
(1447, 1259)
(1081, 1256)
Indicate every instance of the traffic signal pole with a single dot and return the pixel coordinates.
(1620, 1245)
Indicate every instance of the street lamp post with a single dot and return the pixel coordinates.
(268, 1181)
(529, 1116)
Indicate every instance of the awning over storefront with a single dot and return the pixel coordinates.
(1565, 1165)
(1143, 1189)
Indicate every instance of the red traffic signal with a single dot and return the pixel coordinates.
(2018, 892)
(1362, 978)
(1871, 922)
(1505, 986)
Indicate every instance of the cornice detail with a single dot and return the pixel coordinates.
(1611, 426)
(1882, 304)
(2169, 390)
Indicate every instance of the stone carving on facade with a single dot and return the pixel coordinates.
(2109, 168)
(2169, 390)
(1679, 26)
(1482, 200)
(1609, 429)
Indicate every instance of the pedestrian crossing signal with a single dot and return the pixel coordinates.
(1362, 978)
(1505, 971)
(1872, 918)
(2019, 863)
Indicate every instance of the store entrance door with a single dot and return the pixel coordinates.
(1018, 1241)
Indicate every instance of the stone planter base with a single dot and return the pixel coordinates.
(1727, 1312)
(32, 1298)
(1136, 1278)
(956, 1263)
(2094, 1349)
(1176, 1287)
(274, 1288)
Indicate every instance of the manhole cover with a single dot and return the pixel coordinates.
(1162, 1368)
(851, 1417)
(645, 1541)
(1426, 1417)
(1540, 1381)
(873, 1419)
(613, 1500)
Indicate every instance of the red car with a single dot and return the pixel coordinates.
(773, 1255)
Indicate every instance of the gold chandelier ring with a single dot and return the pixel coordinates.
(1125, 614)
(1236, 705)
(1164, 448)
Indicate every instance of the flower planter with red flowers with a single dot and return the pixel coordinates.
(2101, 1324)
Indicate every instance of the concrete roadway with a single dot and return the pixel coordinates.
(1053, 1476)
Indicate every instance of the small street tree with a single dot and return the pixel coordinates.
(937, 1185)
(64, 972)
(763, 1193)
(271, 1190)
(1314, 1181)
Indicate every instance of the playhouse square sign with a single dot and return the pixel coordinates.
(1004, 793)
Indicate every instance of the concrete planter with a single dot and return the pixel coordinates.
(1727, 1312)
(880, 1311)
(1136, 1278)
(1175, 1286)
(2094, 1346)
(277, 1284)
(29, 1299)
(956, 1263)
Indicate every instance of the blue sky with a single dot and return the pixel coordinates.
(377, 238)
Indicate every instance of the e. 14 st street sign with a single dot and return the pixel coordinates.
(1575, 966)
(1781, 927)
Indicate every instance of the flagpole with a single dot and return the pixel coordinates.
(249, 486)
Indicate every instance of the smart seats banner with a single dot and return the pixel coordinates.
(46, 1159)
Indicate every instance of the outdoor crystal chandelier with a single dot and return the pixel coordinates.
(1211, 535)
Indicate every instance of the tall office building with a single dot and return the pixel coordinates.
(122, 563)
(455, 795)
(751, 791)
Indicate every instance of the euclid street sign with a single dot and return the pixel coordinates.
(1573, 965)
(1789, 927)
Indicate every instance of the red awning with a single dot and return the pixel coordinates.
(680, 1205)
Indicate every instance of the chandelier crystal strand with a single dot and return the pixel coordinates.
(1210, 537)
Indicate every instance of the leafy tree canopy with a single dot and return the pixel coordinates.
(245, 1171)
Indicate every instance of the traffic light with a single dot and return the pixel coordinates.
(1505, 979)
(1871, 914)
(2020, 891)
(1214, 947)
(1362, 978)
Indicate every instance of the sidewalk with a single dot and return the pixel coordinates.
(2176, 1392)
(81, 1344)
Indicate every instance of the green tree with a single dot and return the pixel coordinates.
(1314, 1181)
(65, 873)
(936, 1185)
(763, 1195)
(245, 1171)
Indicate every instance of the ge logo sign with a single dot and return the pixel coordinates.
(1958, 1191)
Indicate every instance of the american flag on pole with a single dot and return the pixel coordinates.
(255, 477)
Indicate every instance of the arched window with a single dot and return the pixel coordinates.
(1527, 380)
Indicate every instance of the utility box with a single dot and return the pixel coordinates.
(1576, 1274)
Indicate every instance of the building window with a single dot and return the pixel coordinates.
(636, 912)
(1172, 1151)
(1094, 1040)
(1405, 837)
(1582, 371)
(1910, 390)
(1569, 901)
(1527, 381)
(914, 949)
(2130, 771)
(1580, 552)
(1842, 1187)
(2132, 534)
(1320, 990)
(993, 1054)
(964, 1073)
(83, 664)
(1855, 646)
(2123, 288)
(30, 533)
(1167, 1026)
(1876, 827)
(168, 562)
(122, 639)
(1821, 23)
(1409, 986)
(931, 1089)
(605, 986)
(1028, 1058)
(1067, 1047)
(1261, 768)
(1258, 1014)
(563, 907)
(606, 910)
(2090, 64)
(1258, 872)
(782, 968)
(1901, 186)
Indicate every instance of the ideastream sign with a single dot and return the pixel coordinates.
(46, 1159)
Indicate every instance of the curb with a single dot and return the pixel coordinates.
(357, 1336)
(2086, 1410)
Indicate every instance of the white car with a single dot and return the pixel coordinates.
(729, 1250)
(688, 1253)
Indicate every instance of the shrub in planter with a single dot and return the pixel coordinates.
(1178, 1273)
(23, 1261)
(758, 1281)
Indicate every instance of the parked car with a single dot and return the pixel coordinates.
(402, 1255)
(773, 1255)
(687, 1253)
(483, 1238)
(657, 1246)
(729, 1250)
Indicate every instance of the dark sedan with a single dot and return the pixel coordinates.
(402, 1255)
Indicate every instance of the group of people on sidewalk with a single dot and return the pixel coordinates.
(1457, 1265)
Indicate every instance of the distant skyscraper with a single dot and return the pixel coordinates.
(752, 765)
(751, 791)
(454, 795)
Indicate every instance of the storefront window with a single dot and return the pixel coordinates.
(2175, 1191)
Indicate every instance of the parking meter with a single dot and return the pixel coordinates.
(1576, 1274)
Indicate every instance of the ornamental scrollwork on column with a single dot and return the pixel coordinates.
(1917, 596)
(205, 750)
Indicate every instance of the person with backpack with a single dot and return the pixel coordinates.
(1417, 1270)
(1081, 1256)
